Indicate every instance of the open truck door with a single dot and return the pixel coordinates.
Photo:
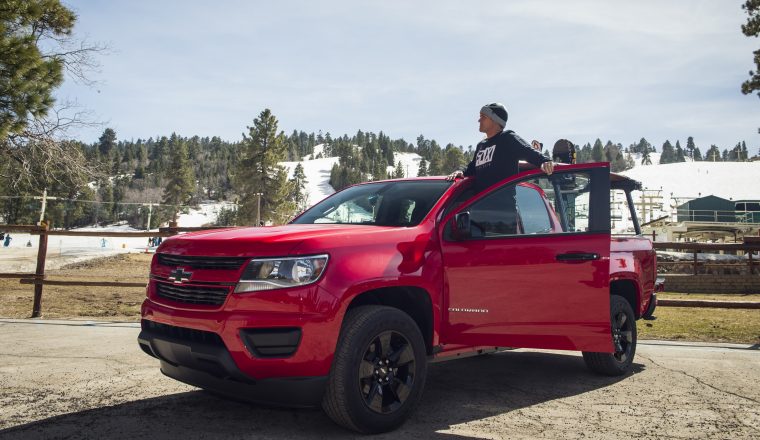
(526, 263)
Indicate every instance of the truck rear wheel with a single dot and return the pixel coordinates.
(623, 338)
(378, 372)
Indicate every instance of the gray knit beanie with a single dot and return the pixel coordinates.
(497, 112)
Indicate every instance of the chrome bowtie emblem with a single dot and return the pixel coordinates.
(179, 275)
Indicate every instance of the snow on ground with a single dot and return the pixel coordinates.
(205, 215)
(689, 180)
(21, 255)
(317, 177)
(410, 163)
(677, 183)
(318, 171)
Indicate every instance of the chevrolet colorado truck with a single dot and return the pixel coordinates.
(346, 305)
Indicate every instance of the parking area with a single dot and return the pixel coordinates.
(76, 379)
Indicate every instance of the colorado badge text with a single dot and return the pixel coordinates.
(465, 310)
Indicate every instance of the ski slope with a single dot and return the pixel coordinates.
(317, 171)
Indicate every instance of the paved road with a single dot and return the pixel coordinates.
(69, 379)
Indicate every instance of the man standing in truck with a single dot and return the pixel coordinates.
(497, 156)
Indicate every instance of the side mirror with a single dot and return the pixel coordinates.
(460, 226)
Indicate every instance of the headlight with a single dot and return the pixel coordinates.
(279, 273)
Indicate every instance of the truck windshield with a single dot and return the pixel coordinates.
(399, 203)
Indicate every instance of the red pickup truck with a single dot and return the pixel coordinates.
(345, 306)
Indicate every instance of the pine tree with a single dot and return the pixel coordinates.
(435, 168)
(597, 153)
(697, 154)
(107, 142)
(679, 153)
(37, 50)
(259, 175)
(453, 158)
(690, 147)
(28, 75)
(629, 162)
(646, 159)
(584, 155)
(752, 29)
(398, 173)
(668, 153)
(298, 188)
(422, 171)
(642, 146)
(619, 164)
(713, 154)
(181, 185)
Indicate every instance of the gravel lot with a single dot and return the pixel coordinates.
(74, 379)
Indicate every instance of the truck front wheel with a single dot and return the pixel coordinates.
(378, 371)
(623, 339)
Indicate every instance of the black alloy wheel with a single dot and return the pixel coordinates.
(386, 373)
(623, 326)
(622, 336)
(378, 372)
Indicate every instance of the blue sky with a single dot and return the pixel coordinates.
(578, 70)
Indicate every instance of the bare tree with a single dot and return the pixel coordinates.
(38, 51)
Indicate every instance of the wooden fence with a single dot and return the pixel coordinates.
(38, 277)
(748, 248)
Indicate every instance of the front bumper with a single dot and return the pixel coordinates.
(201, 359)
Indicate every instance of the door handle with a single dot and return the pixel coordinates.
(578, 256)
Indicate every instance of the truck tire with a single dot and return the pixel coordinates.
(378, 371)
(623, 338)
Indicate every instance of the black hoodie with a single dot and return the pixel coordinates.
(497, 158)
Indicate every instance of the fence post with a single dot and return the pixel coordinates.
(695, 262)
(751, 267)
(40, 272)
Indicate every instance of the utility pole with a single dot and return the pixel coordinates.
(150, 212)
(258, 208)
(44, 203)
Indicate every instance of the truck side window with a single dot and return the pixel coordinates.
(532, 211)
(521, 208)
(512, 210)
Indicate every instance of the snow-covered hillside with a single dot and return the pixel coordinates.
(317, 176)
(673, 184)
(689, 180)
(318, 171)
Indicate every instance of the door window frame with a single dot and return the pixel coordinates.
(599, 202)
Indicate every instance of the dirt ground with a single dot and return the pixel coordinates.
(91, 381)
(118, 304)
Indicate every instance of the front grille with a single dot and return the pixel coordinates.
(182, 334)
(214, 296)
(225, 263)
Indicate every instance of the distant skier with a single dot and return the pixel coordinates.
(7, 241)
(102, 242)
